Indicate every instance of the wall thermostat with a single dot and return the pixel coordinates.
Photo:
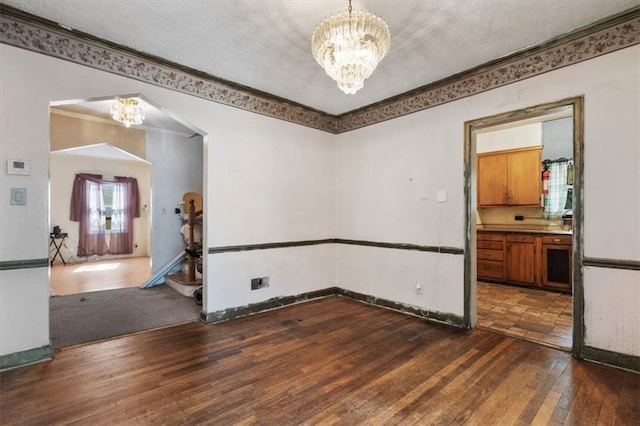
(18, 167)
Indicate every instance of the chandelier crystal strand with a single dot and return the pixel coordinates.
(349, 46)
(127, 112)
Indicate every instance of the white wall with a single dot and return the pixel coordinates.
(614, 302)
(387, 176)
(511, 138)
(64, 167)
(176, 163)
(268, 180)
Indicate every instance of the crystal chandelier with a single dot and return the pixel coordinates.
(127, 111)
(349, 46)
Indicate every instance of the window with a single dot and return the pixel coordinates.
(106, 207)
(103, 206)
(560, 188)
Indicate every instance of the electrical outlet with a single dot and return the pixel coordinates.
(259, 283)
(418, 287)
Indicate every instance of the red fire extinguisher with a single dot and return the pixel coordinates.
(545, 181)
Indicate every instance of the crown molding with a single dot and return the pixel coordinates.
(26, 31)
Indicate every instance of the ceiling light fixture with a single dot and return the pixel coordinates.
(127, 111)
(349, 46)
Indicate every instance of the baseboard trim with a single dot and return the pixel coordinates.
(267, 305)
(614, 359)
(449, 319)
(24, 264)
(280, 302)
(20, 359)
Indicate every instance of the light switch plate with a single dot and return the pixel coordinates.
(441, 196)
(18, 196)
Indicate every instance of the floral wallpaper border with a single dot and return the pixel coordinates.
(527, 64)
(41, 38)
(47, 39)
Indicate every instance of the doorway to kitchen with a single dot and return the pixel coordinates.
(523, 218)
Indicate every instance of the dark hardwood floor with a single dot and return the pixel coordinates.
(330, 361)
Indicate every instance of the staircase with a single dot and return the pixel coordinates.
(180, 282)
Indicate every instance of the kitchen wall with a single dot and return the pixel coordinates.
(62, 171)
(500, 139)
(556, 138)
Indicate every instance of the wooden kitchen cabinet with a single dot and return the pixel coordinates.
(556, 268)
(526, 258)
(490, 253)
(510, 178)
(520, 255)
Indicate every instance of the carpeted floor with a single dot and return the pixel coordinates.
(98, 315)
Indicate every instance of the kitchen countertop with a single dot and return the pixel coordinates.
(534, 229)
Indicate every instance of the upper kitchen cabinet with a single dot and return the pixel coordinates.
(510, 178)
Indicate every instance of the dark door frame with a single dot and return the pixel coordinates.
(470, 308)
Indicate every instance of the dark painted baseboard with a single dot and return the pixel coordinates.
(24, 264)
(450, 319)
(30, 356)
(279, 302)
(255, 308)
(615, 359)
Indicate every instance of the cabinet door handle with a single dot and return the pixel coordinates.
(556, 240)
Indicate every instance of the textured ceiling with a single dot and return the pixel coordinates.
(266, 44)
(155, 118)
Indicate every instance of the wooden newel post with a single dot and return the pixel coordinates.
(191, 222)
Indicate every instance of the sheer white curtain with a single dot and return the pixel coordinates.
(118, 219)
(95, 205)
(87, 208)
(555, 200)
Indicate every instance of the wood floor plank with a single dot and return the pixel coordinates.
(330, 361)
(107, 274)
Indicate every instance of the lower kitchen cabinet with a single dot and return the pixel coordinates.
(529, 259)
(557, 263)
(520, 259)
(490, 253)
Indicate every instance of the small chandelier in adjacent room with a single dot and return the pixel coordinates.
(349, 46)
(127, 111)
